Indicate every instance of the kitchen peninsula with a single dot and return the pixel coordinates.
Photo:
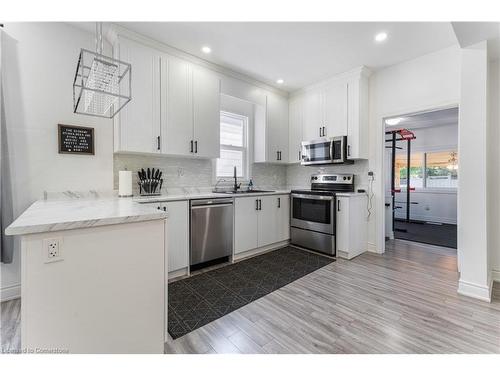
(93, 276)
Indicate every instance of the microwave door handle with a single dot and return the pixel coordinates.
(332, 145)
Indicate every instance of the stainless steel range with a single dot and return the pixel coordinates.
(312, 212)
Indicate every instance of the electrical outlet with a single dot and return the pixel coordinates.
(52, 248)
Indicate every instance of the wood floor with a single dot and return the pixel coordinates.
(404, 301)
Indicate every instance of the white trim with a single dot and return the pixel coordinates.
(373, 249)
(10, 292)
(481, 292)
(259, 250)
(379, 161)
(118, 30)
(495, 275)
(434, 219)
(178, 273)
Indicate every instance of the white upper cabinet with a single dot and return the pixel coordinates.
(358, 117)
(177, 106)
(334, 105)
(137, 125)
(295, 123)
(271, 132)
(337, 107)
(312, 125)
(206, 113)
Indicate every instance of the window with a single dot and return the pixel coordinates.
(233, 145)
(416, 170)
(441, 170)
(431, 170)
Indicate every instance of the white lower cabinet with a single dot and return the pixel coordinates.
(176, 235)
(245, 224)
(260, 221)
(352, 227)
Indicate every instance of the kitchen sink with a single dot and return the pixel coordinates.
(244, 191)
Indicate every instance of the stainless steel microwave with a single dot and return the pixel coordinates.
(325, 151)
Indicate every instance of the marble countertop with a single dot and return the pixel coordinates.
(64, 214)
(203, 195)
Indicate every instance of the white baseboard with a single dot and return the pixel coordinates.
(251, 253)
(372, 248)
(495, 275)
(10, 292)
(435, 219)
(481, 292)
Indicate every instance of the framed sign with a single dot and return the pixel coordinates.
(75, 140)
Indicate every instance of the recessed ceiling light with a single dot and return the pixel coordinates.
(380, 37)
(206, 49)
(280, 81)
(393, 121)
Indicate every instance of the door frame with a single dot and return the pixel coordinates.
(380, 170)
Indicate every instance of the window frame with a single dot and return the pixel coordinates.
(244, 148)
(424, 188)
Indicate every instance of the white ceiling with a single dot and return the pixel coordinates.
(301, 53)
(428, 119)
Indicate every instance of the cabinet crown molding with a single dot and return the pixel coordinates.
(115, 31)
(359, 72)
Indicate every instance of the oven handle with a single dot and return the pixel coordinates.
(315, 197)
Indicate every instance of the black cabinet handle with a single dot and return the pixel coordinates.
(300, 155)
(191, 146)
(158, 142)
(323, 131)
(338, 205)
(260, 205)
(277, 155)
(195, 147)
(165, 209)
(320, 131)
(348, 150)
(257, 205)
(279, 202)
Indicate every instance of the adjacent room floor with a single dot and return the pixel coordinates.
(430, 233)
(403, 301)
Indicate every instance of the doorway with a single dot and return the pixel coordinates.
(421, 177)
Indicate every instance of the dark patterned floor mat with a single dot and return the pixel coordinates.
(198, 300)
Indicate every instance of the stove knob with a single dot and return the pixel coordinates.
(348, 178)
(345, 178)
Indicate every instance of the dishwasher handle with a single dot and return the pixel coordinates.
(212, 202)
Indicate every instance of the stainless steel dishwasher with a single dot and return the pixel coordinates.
(211, 229)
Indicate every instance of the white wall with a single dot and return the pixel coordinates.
(39, 61)
(427, 82)
(472, 188)
(493, 169)
(432, 204)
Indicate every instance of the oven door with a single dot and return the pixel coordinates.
(313, 212)
(317, 152)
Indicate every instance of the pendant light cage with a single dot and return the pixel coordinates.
(102, 84)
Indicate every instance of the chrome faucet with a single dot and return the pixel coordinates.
(236, 185)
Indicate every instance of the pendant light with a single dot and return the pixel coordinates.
(102, 84)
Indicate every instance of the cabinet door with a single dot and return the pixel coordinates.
(206, 112)
(177, 235)
(277, 128)
(137, 125)
(335, 109)
(357, 126)
(178, 106)
(245, 224)
(283, 217)
(267, 220)
(312, 115)
(342, 217)
(295, 131)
